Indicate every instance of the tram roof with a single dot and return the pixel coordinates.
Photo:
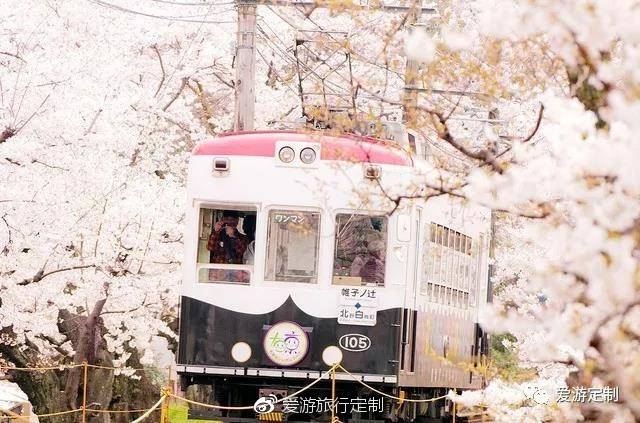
(348, 147)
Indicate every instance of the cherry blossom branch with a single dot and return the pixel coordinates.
(6, 53)
(529, 137)
(207, 113)
(596, 339)
(41, 273)
(19, 128)
(5, 249)
(48, 165)
(164, 74)
(93, 122)
(146, 247)
(13, 162)
(229, 84)
(176, 95)
(440, 124)
(144, 303)
(485, 157)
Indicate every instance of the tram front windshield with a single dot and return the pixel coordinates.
(292, 246)
(360, 249)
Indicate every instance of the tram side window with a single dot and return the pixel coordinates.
(448, 262)
(292, 246)
(226, 238)
(361, 248)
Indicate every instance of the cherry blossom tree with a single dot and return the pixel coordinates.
(97, 125)
(574, 180)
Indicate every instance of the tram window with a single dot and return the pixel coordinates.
(448, 263)
(226, 238)
(292, 246)
(360, 252)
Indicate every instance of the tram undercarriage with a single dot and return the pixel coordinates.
(354, 403)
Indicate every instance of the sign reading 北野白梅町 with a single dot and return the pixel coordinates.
(358, 306)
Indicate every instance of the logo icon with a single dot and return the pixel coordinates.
(354, 342)
(286, 343)
(265, 404)
(537, 394)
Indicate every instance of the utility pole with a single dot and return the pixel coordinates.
(410, 98)
(245, 66)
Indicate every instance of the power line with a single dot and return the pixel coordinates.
(355, 53)
(177, 3)
(286, 56)
(275, 48)
(380, 7)
(264, 59)
(264, 22)
(184, 54)
(309, 69)
(283, 18)
(149, 15)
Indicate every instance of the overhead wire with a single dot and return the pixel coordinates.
(177, 3)
(151, 15)
(309, 69)
(264, 59)
(355, 53)
(184, 54)
(308, 18)
(287, 56)
(264, 22)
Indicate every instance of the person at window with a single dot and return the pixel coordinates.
(226, 243)
(249, 228)
(370, 266)
(352, 231)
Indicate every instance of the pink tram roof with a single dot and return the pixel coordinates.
(352, 148)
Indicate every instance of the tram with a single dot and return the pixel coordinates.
(299, 254)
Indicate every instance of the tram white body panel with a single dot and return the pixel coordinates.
(330, 188)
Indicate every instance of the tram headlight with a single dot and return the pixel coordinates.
(241, 352)
(286, 154)
(308, 155)
(332, 355)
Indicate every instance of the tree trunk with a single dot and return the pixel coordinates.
(55, 390)
(86, 346)
(42, 388)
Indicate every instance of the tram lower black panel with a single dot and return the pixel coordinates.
(207, 334)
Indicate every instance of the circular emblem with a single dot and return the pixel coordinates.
(286, 343)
